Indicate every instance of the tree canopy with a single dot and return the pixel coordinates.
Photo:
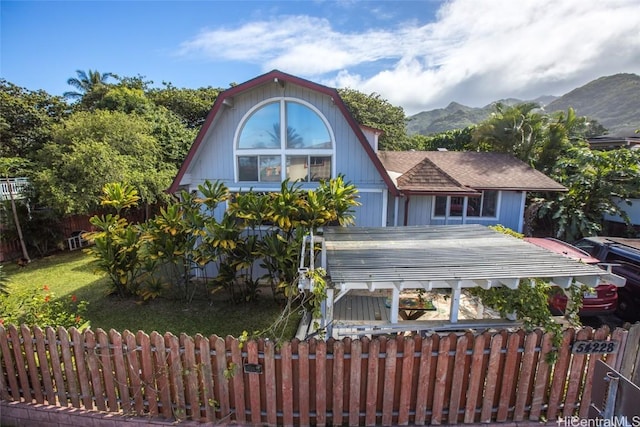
(26, 118)
(374, 111)
(94, 148)
(556, 145)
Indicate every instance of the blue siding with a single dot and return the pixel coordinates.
(370, 213)
(510, 212)
(215, 157)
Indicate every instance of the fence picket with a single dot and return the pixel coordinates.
(133, 370)
(585, 400)
(83, 378)
(321, 394)
(270, 383)
(107, 369)
(493, 369)
(371, 403)
(459, 363)
(355, 378)
(69, 368)
(404, 404)
(162, 374)
(148, 380)
(175, 376)
(442, 367)
(120, 370)
(43, 361)
(56, 366)
(303, 383)
(508, 377)
(389, 382)
(221, 381)
(237, 381)
(9, 367)
(615, 359)
(190, 373)
(424, 380)
(541, 382)
(575, 376)
(93, 364)
(476, 378)
(205, 371)
(254, 383)
(287, 384)
(23, 376)
(29, 355)
(558, 381)
(524, 389)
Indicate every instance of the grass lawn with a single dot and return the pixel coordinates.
(71, 273)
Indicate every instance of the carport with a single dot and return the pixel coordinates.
(435, 257)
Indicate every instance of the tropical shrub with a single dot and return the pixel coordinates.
(42, 308)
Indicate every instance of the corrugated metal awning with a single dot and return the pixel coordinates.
(445, 256)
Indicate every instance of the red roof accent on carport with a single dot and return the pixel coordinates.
(269, 77)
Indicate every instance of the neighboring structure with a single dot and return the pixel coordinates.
(608, 142)
(277, 126)
(13, 187)
(615, 223)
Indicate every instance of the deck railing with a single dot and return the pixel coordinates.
(14, 186)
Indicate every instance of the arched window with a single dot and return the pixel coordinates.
(281, 139)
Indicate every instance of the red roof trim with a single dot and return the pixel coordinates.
(266, 78)
(469, 193)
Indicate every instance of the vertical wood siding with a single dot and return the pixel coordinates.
(420, 211)
(438, 379)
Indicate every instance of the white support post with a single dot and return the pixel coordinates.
(323, 253)
(327, 313)
(395, 304)
(455, 304)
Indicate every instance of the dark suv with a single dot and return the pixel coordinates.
(624, 256)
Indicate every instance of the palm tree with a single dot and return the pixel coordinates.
(85, 83)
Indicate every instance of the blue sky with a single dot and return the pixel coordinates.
(416, 54)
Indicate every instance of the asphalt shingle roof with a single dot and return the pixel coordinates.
(462, 171)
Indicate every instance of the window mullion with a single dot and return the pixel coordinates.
(283, 139)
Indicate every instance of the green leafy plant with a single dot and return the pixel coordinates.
(116, 242)
(43, 308)
(530, 301)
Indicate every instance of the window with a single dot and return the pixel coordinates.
(484, 206)
(281, 139)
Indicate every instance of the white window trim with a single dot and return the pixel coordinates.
(464, 209)
(283, 151)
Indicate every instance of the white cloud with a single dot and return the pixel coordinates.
(476, 51)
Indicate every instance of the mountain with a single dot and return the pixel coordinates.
(455, 116)
(612, 100)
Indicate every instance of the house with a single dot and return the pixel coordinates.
(278, 126)
(614, 223)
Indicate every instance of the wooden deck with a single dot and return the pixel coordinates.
(360, 308)
(361, 315)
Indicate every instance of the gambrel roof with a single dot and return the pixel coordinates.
(225, 98)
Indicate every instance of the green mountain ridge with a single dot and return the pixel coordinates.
(611, 100)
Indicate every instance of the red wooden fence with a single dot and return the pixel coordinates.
(450, 379)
